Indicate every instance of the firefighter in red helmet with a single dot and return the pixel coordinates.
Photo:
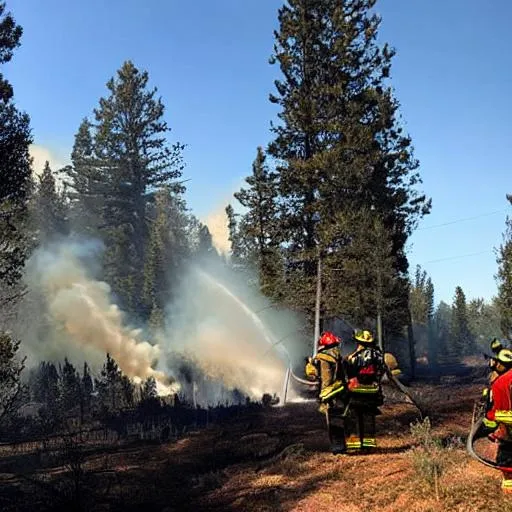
(327, 367)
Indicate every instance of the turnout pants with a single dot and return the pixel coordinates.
(335, 416)
(504, 458)
(360, 428)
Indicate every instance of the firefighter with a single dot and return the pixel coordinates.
(365, 369)
(327, 367)
(498, 417)
(496, 346)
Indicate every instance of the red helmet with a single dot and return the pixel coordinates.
(328, 338)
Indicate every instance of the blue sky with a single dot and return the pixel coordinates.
(209, 61)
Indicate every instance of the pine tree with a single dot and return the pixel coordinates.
(115, 390)
(442, 322)
(15, 172)
(85, 187)
(203, 245)
(259, 227)
(238, 255)
(49, 208)
(166, 253)
(504, 278)
(484, 320)
(118, 162)
(339, 145)
(71, 394)
(11, 367)
(462, 342)
(149, 390)
(86, 390)
(418, 297)
(130, 142)
(87, 383)
(48, 390)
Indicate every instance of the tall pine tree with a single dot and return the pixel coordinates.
(339, 146)
(15, 172)
(166, 253)
(49, 207)
(259, 227)
(462, 342)
(504, 278)
(118, 162)
(85, 187)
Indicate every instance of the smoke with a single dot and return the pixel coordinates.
(217, 223)
(215, 327)
(80, 309)
(222, 342)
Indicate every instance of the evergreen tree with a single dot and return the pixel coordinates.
(442, 322)
(87, 383)
(419, 297)
(238, 252)
(48, 390)
(85, 188)
(131, 144)
(15, 172)
(71, 393)
(115, 390)
(149, 390)
(127, 390)
(484, 321)
(49, 208)
(86, 390)
(259, 227)
(504, 278)
(203, 246)
(167, 250)
(11, 367)
(462, 342)
(340, 147)
(118, 162)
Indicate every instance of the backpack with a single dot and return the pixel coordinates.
(366, 368)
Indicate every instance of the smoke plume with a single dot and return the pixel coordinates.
(223, 340)
(81, 308)
(217, 223)
(216, 328)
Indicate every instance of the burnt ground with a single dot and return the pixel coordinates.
(273, 459)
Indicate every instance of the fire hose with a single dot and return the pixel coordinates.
(392, 379)
(479, 431)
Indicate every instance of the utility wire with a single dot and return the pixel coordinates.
(457, 257)
(461, 220)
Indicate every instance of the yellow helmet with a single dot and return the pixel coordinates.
(496, 345)
(363, 336)
(504, 357)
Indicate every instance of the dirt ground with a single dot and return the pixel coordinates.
(276, 459)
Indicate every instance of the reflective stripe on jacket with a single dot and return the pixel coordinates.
(500, 410)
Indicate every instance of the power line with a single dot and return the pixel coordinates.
(457, 257)
(462, 220)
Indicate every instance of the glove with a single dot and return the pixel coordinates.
(310, 370)
(500, 434)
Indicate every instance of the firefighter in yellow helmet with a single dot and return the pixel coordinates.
(498, 417)
(327, 368)
(365, 368)
(496, 346)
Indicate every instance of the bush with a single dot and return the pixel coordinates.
(430, 458)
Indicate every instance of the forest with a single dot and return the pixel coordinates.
(338, 183)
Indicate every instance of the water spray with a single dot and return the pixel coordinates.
(267, 334)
